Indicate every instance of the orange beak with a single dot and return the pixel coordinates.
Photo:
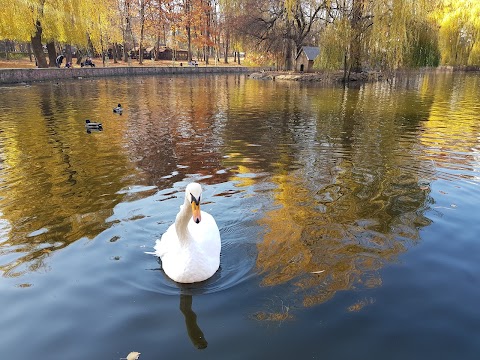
(196, 212)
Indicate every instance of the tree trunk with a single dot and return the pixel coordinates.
(52, 54)
(125, 52)
(288, 56)
(355, 44)
(38, 48)
(188, 9)
(79, 56)
(189, 39)
(227, 44)
(29, 47)
(140, 53)
(142, 30)
(128, 32)
(157, 48)
(115, 53)
(288, 48)
(68, 51)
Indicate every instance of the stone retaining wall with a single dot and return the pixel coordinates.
(11, 76)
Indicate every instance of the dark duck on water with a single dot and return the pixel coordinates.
(118, 109)
(89, 125)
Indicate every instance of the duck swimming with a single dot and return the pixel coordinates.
(118, 109)
(93, 125)
(190, 248)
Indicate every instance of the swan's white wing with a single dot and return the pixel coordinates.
(167, 242)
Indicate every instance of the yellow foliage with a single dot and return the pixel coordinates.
(335, 41)
(381, 30)
(459, 23)
(16, 20)
(63, 21)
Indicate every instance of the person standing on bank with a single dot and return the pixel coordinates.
(59, 60)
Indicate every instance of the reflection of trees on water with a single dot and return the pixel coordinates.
(60, 184)
(180, 133)
(453, 126)
(344, 202)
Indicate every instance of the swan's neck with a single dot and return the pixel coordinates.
(181, 222)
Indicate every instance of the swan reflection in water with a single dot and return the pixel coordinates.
(194, 332)
(187, 292)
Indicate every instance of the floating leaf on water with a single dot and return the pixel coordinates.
(132, 356)
(136, 189)
(115, 238)
(361, 304)
(24, 285)
(38, 232)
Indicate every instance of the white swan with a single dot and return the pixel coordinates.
(190, 248)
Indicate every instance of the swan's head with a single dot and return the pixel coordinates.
(193, 193)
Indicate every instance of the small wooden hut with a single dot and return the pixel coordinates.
(306, 57)
(166, 53)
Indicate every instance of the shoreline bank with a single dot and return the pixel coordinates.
(335, 77)
(28, 75)
(15, 76)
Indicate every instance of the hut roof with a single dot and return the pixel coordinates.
(311, 52)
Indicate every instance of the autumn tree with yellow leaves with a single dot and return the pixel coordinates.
(459, 34)
(58, 22)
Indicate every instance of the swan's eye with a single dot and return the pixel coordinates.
(195, 200)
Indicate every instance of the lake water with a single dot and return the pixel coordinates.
(349, 218)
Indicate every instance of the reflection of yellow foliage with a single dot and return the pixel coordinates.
(277, 312)
(359, 305)
(243, 180)
(282, 252)
(453, 119)
(56, 177)
(266, 316)
(333, 225)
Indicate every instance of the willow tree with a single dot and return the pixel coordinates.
(21, 21)
(335, 45)
(343, 39)
(54, 22)
(459, 36)
(16, 21)
(379, 34)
